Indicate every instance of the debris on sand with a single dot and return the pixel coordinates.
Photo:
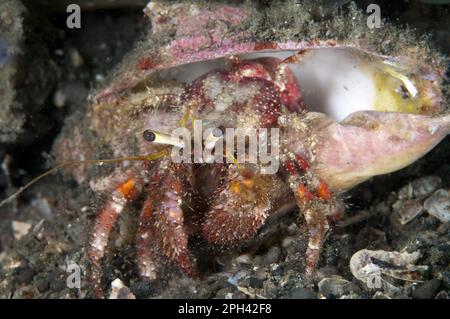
(120, 291)
(20, 229)
(376, 267)
(438, 205)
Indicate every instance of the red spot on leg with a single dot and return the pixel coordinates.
(289, 166)
(302, 163)
(146, 63)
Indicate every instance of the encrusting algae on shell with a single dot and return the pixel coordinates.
(348, 102)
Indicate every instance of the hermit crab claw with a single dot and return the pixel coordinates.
(369, 143)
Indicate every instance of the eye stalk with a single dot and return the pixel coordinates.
(161, 138)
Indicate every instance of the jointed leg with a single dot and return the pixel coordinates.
(161, 229)
(315, 203)
(318, 227)
(124, 193)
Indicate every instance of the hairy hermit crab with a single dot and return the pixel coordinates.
(334, 103)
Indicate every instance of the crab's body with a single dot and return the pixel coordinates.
(204, 62)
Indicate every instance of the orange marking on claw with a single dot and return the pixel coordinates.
(235, 187)
(323, 191)
(248, 182)
(127, 189)
(303, 193)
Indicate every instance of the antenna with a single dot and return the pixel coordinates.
(149, 157)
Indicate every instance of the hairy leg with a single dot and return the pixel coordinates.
(161, 231)
(240, 207)
(123, 194)
(315, 202)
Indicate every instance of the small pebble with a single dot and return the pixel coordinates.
(426, 185)
(422, 186)
(380, 295)
(277, 270)
(272, 256)
(59, 98)
(270, 289)
(222, 293)
(407, 211)
(120, 291)
(326, 272)
(141, 289)
(244, 259)
(288, 241)
(427, 290)
(442, 295)
(75, 58)
(239, 295)
(25, 275)
(59, 52)
(58, 281)
(99, 77)
(20, 229)
(336, 287)
(6, 18)
(438, 205)
(261, 273)
(125, 293)
(301, 293)
(293, 229)
(256, 282)
(43, 285)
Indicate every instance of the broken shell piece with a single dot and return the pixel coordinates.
(120, 291)
(335, 286)
(373, 266)
(244, 259)
(438, 205)
(20, 229)
(406, 211)
(419, 187)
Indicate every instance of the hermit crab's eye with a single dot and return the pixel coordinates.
(149, 136)
(216, 134)
(161, 138)
(403, 91)
(218, 131)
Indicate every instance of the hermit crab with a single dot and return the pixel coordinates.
(332, 101)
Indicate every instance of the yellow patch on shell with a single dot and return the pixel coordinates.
(397, 92)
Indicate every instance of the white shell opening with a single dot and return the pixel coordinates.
(334, 81)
